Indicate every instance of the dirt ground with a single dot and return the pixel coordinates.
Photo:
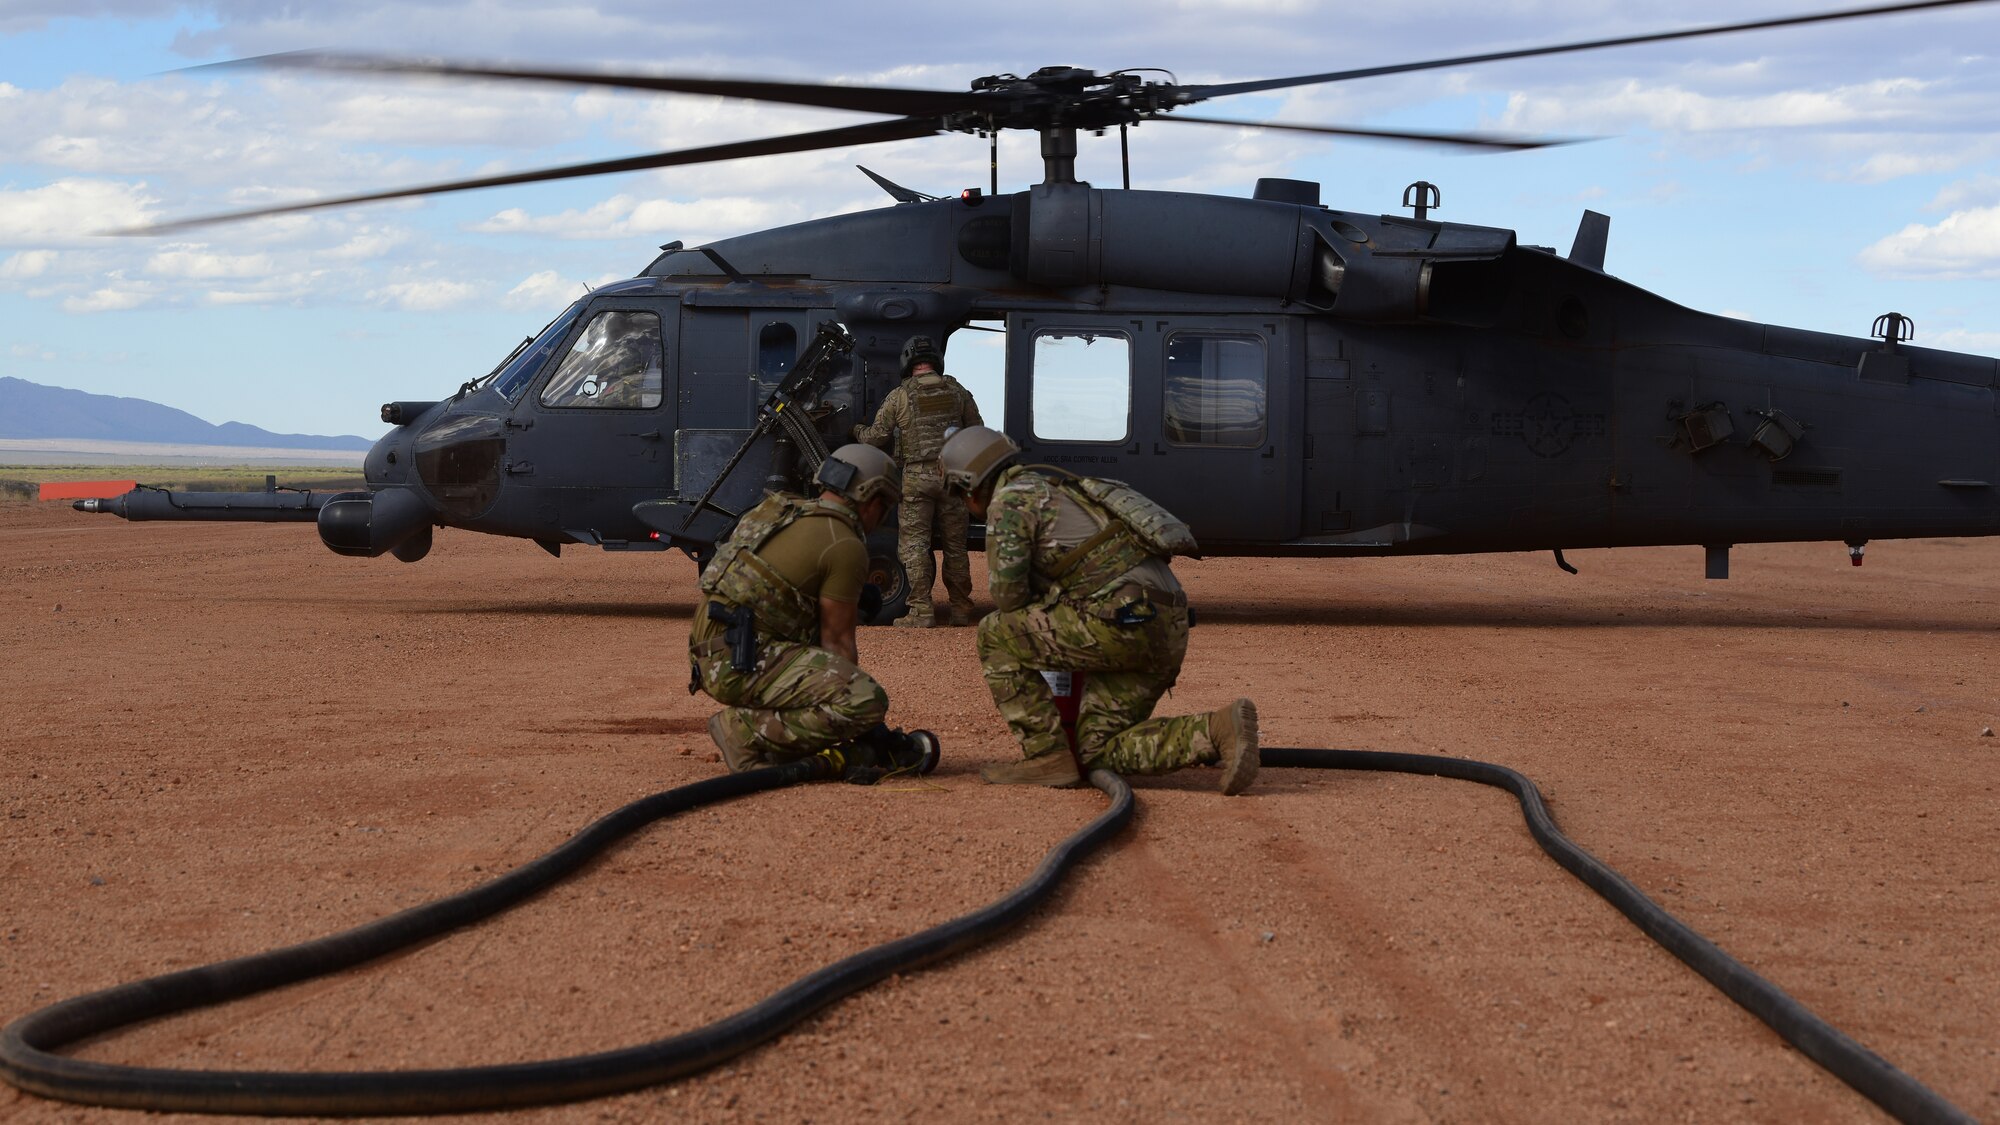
(218, 738)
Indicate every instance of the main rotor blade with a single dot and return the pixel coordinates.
(875, 132)
(1469, 140)
(1192, 94)
(866, 99)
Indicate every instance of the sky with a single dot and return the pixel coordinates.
(1812, 177)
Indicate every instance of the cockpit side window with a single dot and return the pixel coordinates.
(515, 372)
(617, 364)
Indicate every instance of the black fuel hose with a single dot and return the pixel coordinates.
(1903, 1097)
(26, 1045)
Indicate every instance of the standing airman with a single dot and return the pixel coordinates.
(923, 409)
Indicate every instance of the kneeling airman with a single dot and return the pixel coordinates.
(773, 638)
(1078, 570)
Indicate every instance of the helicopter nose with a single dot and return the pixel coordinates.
(365, 525)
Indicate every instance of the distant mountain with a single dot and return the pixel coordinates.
(30, 410)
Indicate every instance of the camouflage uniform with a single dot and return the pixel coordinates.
(1064, 573)
(799, 698)
(917, 413)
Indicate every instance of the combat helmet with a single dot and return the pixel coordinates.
(919, 349)
(972, 455)
(861, 473)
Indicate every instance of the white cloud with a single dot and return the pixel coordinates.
(26, 264)
(1885, 166)
(370, 242)
(68, 212)
(1874, 131)
(263, 139)
(1633, 103)
(626, 216)
(425, 296)
(1237, 7)
(1963, 340)
(1965, 244)
(193, 262)
(31, 351)
(439, 114)
(111, 298)
(542, 290)
(1978, 191)
(244, 297)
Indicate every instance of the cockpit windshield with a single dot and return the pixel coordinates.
(514, 372)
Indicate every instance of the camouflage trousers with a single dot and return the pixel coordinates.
(926, 504)
(799, 700)
(1128, 668)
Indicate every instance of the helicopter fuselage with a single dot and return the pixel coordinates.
(1288, 378)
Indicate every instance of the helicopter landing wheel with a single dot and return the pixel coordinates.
(885, 573)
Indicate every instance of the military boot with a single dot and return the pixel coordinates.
(918, 617)
(961, 614)
(1056, 769)
(737, 753)
(896, 751)
(1233, 730)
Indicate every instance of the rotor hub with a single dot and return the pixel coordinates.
(1059, 97)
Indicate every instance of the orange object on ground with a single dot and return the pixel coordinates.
(86, 489)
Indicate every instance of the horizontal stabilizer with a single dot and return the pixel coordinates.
(1591, 235)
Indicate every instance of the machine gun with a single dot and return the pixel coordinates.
(784, 411)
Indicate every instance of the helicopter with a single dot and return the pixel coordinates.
(1290, 378)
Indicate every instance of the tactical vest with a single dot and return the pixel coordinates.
(739, 577)
(1159, 530)
(936, 405)
(1100, 560)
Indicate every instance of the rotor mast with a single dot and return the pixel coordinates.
(1058, 154)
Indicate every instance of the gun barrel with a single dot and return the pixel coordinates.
(230, 507)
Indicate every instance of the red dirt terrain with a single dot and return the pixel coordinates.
(218, 739)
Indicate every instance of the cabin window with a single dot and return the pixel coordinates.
(1216, 389)
(617, 364)
(976, 355)
(1082, 385)
(777, 349)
